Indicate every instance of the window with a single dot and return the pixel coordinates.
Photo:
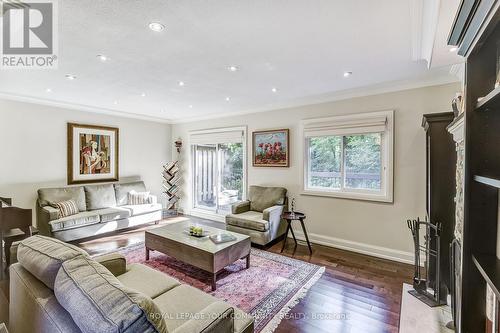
(218, 169)
(350, 156)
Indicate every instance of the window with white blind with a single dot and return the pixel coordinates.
(218, 168)
(350, 156)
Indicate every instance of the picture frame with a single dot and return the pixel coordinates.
(271, 148)
(92, 154)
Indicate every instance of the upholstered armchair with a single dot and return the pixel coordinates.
(260, 216)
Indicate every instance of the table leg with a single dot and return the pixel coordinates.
(305, 234)
(147, 254)
(248, 261)
(1, 256)
(286, 235)
(6, 251)
(214, 281)
(293, 235)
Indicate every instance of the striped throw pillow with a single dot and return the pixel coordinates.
(138, 198)
(66, 208)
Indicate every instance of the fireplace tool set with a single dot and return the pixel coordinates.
(427, 280)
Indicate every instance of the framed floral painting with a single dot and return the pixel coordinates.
(271, 148)
(92, 154)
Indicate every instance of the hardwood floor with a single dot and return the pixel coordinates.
(357, 293)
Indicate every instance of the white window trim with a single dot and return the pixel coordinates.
(387, 193)
(206, 213)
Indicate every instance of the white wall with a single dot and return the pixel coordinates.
(367, 227)
(33, 148)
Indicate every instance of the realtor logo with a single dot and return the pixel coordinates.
(29, 34)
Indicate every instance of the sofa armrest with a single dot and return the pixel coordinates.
(114, 262)
(45, 214)
(152, 199)
(273, 213)
(240, 207)
(51, 212)
(218, 317)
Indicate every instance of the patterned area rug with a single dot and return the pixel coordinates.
(268, 290)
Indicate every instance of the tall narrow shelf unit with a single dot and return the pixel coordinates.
(171, 180)
(477, 34)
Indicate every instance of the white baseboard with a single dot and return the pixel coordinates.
(371, 250)
(343, 244)
(205, 215)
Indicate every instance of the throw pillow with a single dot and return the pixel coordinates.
(138, 198)
(43, 256)
(66, 208)
(98, 302)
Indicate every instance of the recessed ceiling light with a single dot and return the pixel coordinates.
(156, 26)
(102, 57)
(143, 94)
(228, 99)
(190, 106)
(181, 83)
(70, 77)
(347, 74)
(115, 102)
(48, 90)
(274, 89)
(453, 49)
(233, 68)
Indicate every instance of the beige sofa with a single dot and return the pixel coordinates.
(260, 216)
(57, 288)
(103, 208)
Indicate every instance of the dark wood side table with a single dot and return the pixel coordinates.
(289, 217)
(12, 218)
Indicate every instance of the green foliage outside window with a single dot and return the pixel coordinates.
(359, 155)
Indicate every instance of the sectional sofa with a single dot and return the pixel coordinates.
(58, 288)
(102, 208)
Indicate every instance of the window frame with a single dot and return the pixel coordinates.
(200, 210)
(387, 157)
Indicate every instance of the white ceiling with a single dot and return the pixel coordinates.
(301, 47)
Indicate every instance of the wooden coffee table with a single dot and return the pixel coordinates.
(173, 240)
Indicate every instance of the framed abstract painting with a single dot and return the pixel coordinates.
(271, 148)
(92, 154)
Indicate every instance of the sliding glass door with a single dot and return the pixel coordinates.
(218, 171)
(206, 176)
(230, 189)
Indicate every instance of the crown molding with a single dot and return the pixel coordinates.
(376, 89)
(80, 107)
(371, 90)
(424, 16)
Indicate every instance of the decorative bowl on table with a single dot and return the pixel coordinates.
(197, 231)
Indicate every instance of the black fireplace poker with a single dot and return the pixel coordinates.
(426, 279)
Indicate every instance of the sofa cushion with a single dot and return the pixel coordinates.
(157, 282)
(113, 213)
(75, 221)
(48, 196)
(264, 197)
(121, 191)
(249, 220)
(66, 208)
(43, 256)
(100, 196)
(143, 209)
(98, 302)
(189, 300)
